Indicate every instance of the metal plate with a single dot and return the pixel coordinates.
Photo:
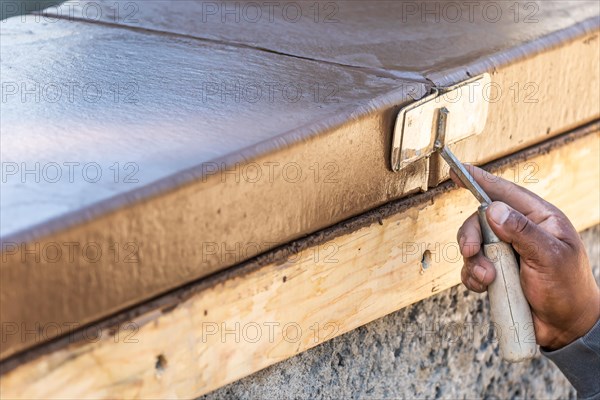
(414, 131)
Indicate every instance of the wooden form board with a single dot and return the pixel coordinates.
(173, 136)
(244, 320)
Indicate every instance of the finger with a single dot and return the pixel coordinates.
(468, 281)
(469, 236)
(480, 269)
(500, 189)
(527, 238)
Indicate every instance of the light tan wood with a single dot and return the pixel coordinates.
(508, 306)
(253, 319)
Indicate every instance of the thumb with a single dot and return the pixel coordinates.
(526, 237)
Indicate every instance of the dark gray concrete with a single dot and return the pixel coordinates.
(436, 348)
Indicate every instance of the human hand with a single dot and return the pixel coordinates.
(555, 272)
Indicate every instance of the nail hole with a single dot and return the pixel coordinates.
(161, 364)
(426, 260)
(205, 313)
(284, 279)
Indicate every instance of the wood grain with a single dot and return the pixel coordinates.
(508, 306)
(250, 320)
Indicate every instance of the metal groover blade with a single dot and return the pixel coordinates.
(465, 177)
(456, 166)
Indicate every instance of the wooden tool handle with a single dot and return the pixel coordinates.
(511, 314)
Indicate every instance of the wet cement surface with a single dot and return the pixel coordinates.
(404, 38)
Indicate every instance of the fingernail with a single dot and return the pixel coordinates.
(479, 273)
(499, 213)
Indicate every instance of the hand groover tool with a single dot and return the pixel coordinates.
(451, 115)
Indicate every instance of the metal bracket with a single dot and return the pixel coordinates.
(416, 124)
